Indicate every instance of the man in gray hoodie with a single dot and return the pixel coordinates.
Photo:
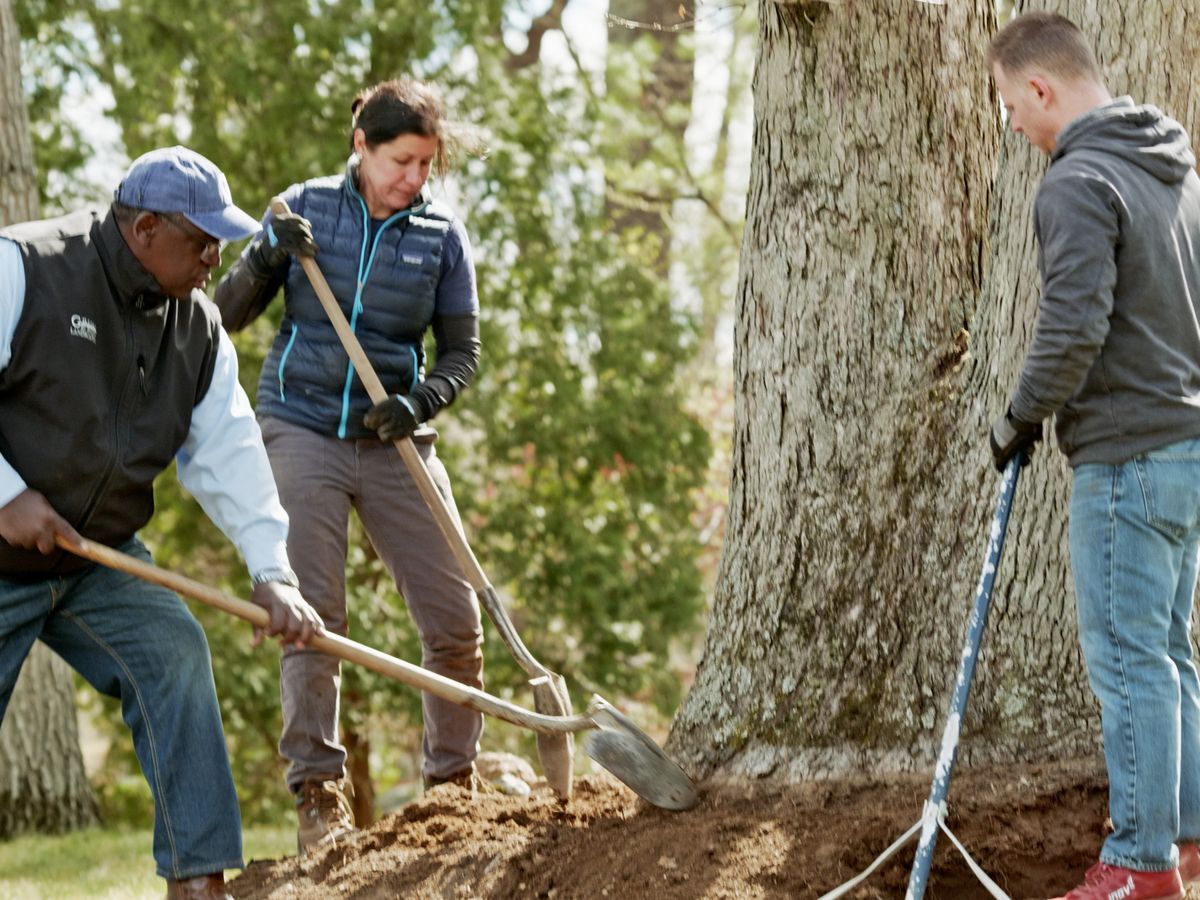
(1116, 359)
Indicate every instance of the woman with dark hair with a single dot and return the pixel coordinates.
(399, 264)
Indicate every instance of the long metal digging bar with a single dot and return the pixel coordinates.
(556, 751)
(613, 740)
(962, 685)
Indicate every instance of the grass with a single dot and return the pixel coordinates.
(105, 865)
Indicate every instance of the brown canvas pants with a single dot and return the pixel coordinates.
(320, 478)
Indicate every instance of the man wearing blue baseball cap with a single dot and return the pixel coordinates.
(113, 363)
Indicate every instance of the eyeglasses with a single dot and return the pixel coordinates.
(202, 242)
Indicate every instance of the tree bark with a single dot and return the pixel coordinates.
(18, 184)
(358, 758)
(854, 510)
(43, 786)
(862, 487)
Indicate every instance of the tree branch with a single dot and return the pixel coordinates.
(550, 20)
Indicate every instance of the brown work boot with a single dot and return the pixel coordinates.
(324, 812)
(202, 887)
(468, 779)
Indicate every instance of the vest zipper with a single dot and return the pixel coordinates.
(363, 275)
(283, 359)
(97, 495)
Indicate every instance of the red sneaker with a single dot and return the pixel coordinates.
(1105, 882)
(1189, 863)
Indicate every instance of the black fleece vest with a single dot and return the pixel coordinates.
(105, 372)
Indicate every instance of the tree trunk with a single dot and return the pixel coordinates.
(43, 786)
(854, 511)
(862, 486)
(18, 184)
(358, 758)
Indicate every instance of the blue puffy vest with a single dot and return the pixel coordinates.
(386, 287)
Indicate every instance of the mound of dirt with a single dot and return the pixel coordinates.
(1034, 830)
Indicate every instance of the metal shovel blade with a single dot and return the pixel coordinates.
(628, 753)
(555, 751)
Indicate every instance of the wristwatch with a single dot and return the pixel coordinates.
(278, 575)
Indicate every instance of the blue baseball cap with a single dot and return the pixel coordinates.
(179, 180)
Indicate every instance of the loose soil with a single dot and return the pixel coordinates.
(1034, 830)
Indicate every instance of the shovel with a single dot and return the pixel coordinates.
(935, 805)
(612, 740)
(550, 696)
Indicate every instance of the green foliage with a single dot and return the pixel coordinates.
(584, 507)
(53, 56)
(575, 464)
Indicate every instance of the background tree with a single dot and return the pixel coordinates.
(576, 463)
(649, 70)
(42, 782)
(872, 352)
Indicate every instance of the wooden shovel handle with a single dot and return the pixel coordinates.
(333, 644)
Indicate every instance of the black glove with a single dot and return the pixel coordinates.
(397, 417)
(1010, 436)
(287, 235)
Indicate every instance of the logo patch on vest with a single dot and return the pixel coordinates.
(413, 259)
(82, 326)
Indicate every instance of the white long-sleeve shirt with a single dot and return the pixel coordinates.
(222, 461)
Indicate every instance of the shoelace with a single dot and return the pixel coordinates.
(325, 796)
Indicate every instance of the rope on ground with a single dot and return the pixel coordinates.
(879, 860)
(990, 886)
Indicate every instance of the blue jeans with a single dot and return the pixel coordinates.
(137, 641)
(1135, 535)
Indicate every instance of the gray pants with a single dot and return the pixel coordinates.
(320, 478)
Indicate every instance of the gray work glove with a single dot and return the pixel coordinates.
(287, 235)
(1010, 436)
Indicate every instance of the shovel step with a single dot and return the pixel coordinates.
(556, 751)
